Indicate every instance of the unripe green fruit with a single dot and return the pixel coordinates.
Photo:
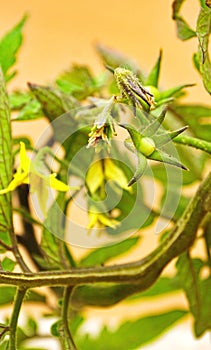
(147, 146)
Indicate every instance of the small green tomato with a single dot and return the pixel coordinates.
(147, 146)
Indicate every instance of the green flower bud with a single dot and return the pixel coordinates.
(132, 89)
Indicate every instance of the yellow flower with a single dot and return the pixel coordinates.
(100, 220)
(27, 172)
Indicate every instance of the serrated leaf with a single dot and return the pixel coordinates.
(31, 111)
(153, 76)
(18, 99)
(197, 291)
(6, 170)
(78, 81)
(132, 334)
(203, 31)
(54, 103)
(102, 255)
(9, 46)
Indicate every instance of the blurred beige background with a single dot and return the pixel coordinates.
(59, 33)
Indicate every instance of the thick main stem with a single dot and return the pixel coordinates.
(143, 272)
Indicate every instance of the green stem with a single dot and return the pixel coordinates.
(194, 142)
(143, 272)
(14, 318)
(67, 339)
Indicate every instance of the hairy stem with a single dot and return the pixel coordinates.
(14, 318)
(143, 272)
(194, 142)
(67, 340)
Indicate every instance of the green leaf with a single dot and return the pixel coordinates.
(101, 255)
(8, 264)
(114, 59)
(132, 334)
(78, 81)
(6, 162)
(9, 46)
(164, 285)
(197, 291)
(54, 103)
(32, 110)
(18, 99)
(195, 116)
(184, 32)
(52, 235)
(203, 31)
(153, 76)
(176, 6)
(7, 295)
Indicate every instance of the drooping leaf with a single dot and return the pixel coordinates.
(132, 334)
(114, 59)
(5, 163)
(203, 32)
(197, 291)
(184, 31)
(102, 255)
(9, 46)
(153, 76)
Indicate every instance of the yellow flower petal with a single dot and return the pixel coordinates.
(25, 162)
(114, 173)
(57, 184)
(17, 180)
(95, 177)
(92, 220)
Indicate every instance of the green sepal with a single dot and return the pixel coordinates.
(153, 77)
(163, 139)
(163, 157)
(151, 129)
(173, 91)
(142, 164)
(135, 135)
